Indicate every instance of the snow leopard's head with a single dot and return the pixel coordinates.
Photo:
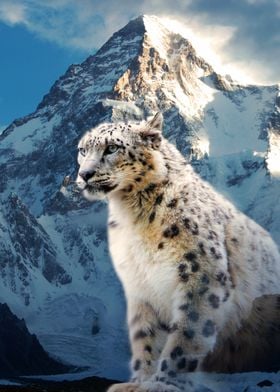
(114, 157)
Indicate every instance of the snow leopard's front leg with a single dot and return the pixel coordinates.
(143, 327)
(199, 313)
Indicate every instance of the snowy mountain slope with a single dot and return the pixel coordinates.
(56, 271)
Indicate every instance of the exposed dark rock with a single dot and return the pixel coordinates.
(20, 352)
(89, 384)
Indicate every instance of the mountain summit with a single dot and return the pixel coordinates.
(55, 270)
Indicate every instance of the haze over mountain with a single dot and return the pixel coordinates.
(55, 268)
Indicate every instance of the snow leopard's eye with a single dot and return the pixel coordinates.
(111, 149)
(82, 151)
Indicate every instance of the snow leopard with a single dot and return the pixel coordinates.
(199, 276)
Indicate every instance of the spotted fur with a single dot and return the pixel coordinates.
(191, 265)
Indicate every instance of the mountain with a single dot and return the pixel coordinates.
(55, 268)
(20, 352)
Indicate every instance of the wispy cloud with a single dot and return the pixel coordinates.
(245, 34)
(12, 13)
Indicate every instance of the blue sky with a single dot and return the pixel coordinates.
(39, 39)
(28, 69)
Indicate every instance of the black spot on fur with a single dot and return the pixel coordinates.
(159, 199)
(152, 217)
(150, 188)
(167, 166)
(214, 300)
(164, 327)
(212, 235)
(189, 333)
(195, 230)
(187, 223)
(195, 266)
(190, 256)
(140, 335)
(144, 163)
(190, 295)
(205, 279)
(148, 348)
(163, 365)
(160, 245)
(132, 156)
(181, 364)
(203, 290)
(193, 316)
(226, 297)
(184, 277)
(137, 365)
(222, 278)
(184, 307)
(192, 365)
(201, 248)
(176, 352)
(208, 329)
(143, 334)
(192, 226)
(182, 267)
(215, 253)
(171, 373)
(138, 179)
(171, 231)
(172, 203)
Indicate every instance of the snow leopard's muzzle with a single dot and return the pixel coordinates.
(93, 188)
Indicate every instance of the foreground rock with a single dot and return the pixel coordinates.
(91, 384)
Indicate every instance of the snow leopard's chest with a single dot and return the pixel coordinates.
(145, 271)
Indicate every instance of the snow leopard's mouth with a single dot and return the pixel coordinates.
(100, 186)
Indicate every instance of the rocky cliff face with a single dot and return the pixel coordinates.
(20, 352)
(55, 268)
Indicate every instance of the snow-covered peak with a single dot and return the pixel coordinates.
(169, 37)
(158, 34)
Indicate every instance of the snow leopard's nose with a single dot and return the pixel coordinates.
(86, 175)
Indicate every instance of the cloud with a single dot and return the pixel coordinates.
(255, 44)
(12, 13)
(244, 34)
(82, 25)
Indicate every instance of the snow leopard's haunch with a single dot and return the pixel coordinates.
(191, 265)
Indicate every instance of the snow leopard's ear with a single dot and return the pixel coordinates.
(152, 131)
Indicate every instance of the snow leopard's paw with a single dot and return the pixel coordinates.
(127, 387)
(158, 386)
(147, 386)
